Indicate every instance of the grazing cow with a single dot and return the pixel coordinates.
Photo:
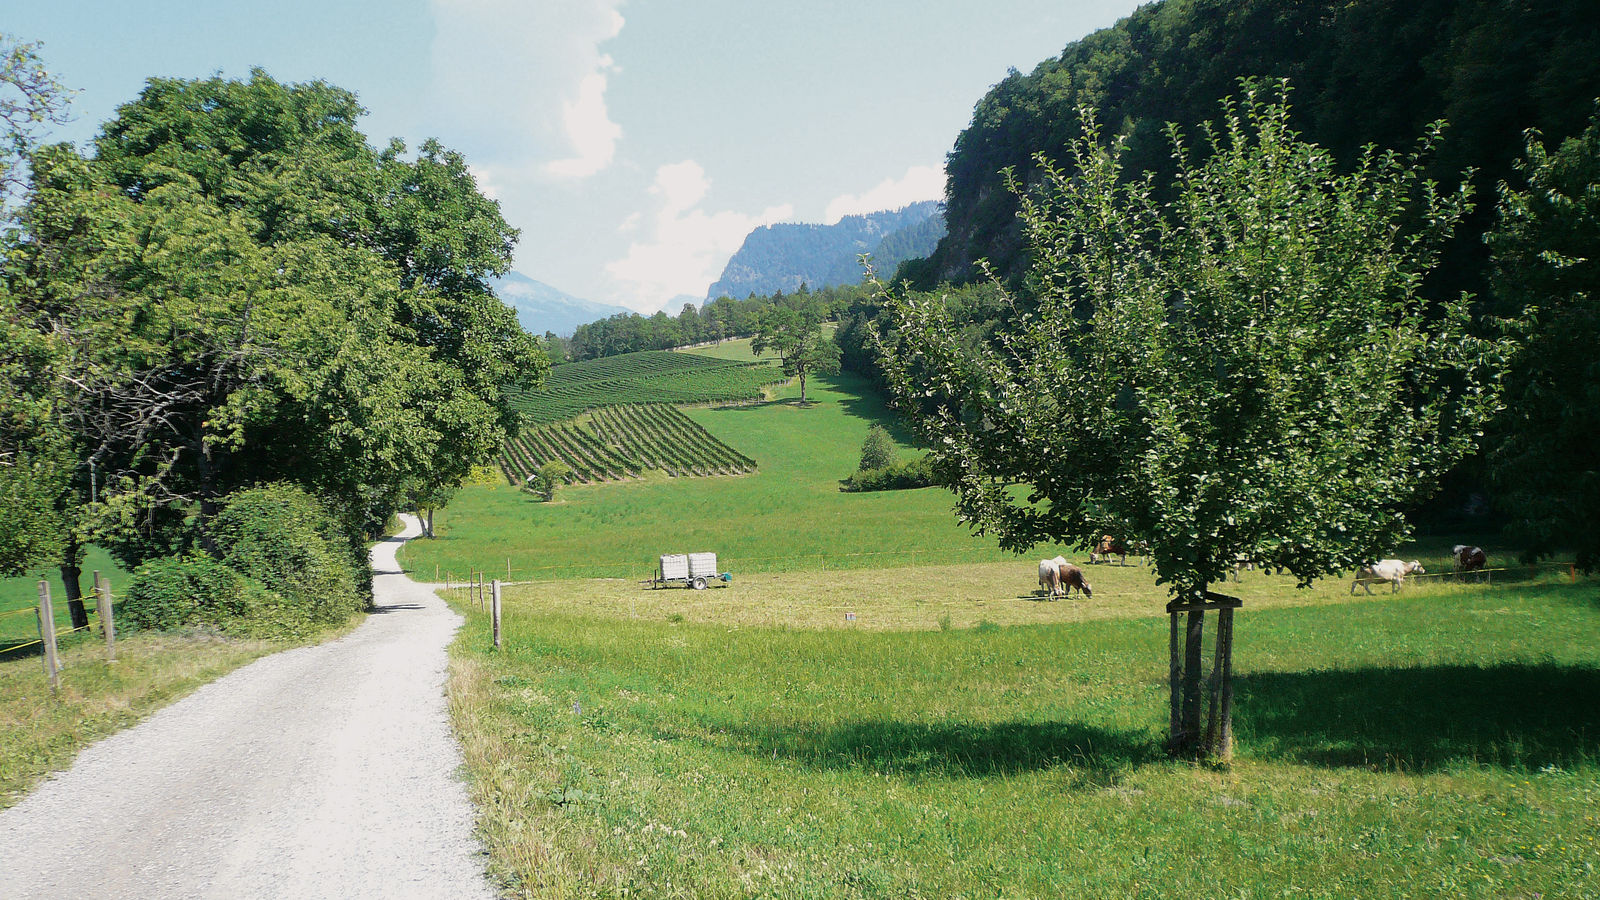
(1391, 570)
(1070, 576)
(1468, 559)
(1107, 547)
(1049, 577)
(1058, 577)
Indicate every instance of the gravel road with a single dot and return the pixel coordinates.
(325, 771)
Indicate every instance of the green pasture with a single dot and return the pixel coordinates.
(736, 349)
(1443, 741)
(788, 515)
(22, 593)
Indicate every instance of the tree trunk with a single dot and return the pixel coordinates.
(430, 522)
(802, 386)
(71, 572)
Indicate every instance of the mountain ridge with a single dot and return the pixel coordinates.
(784, 256)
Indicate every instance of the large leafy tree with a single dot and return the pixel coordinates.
(241, 290)
(35, 463)
(1546, 248)
(1245, 370)
(793, 331)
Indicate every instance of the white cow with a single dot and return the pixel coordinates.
(1049, 580)
(1393, 571)
(1058, 577)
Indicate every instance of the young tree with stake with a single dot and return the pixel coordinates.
(1244, 370)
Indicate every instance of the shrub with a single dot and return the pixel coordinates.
(877, 451)
(916, 473)
(549, 477)
(292, 543)
(182, 591)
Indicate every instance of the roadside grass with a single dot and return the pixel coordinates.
(1439, 742)
(788, 515)
(41, 733)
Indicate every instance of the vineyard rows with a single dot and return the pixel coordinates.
(624, 441)
(655, 376)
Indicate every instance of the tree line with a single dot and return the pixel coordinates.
(716, 320)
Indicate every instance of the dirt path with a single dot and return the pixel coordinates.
(325, 771)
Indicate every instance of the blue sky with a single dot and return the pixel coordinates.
(634, 142)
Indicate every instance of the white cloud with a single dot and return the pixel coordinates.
(527, 75)
(919, 183)
(686, 247)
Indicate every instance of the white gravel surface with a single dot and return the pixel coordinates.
(325, 771)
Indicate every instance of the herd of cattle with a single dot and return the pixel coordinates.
(1057, 577)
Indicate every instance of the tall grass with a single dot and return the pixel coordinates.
(1437, 744)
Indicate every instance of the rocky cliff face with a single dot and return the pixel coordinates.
(783, 257)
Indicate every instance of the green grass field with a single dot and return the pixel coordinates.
(880, 705)
(1441, 742)
(18, 596)
(788, 515)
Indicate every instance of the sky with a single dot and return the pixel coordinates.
(634, 143)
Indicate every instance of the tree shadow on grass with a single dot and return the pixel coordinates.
(1515, 715)
(1096, 755)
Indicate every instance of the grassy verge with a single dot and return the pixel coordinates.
(41, 733)
(1440, 742)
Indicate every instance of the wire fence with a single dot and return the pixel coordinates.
(819, 561)
(843, 562)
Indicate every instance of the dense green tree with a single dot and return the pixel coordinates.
(241, 290)
(794, 333)
(36, 463)
(1547, 264)
(1248, 370)
(1365, 71)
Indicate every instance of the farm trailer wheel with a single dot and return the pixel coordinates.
(699, 583)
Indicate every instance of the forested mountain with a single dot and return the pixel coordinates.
(785, 256)
(1367, 71)
(541, 308)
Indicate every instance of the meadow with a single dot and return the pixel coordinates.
(789, 514)
(1439, 742)
(880, 704)
(18, 596)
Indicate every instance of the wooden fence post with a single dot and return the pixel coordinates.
(102, 608)
(47, 635)
(494, 612)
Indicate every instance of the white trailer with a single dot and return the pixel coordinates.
(693, 570)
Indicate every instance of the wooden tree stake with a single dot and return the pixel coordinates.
(1191, 679)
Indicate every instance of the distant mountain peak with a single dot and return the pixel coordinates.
(784, 256)
(542, 308)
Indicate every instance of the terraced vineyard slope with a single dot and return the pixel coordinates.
(653, 376)
(618, 442)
